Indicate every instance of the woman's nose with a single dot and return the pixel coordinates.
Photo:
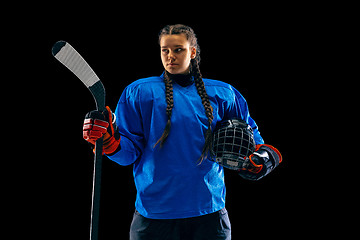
(171, 56)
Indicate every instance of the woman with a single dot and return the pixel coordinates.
(164, 127)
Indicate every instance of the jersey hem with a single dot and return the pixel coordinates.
(180, 215)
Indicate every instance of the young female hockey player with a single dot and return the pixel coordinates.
(163, 126)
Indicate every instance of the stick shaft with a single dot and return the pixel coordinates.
(70, 58)
(95, 206)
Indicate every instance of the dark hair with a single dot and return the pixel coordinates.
(199, 83)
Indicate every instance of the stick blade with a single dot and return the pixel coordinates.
(70, 58)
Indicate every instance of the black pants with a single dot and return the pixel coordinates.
(214, 226)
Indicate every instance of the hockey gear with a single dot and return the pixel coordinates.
(95, 126)
(98, 124)
(259, 164)
(233, 141)
(141, 124)
(70, 58)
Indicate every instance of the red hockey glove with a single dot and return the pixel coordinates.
(98, 124)
(261, 162)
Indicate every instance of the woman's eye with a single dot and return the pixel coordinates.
(165, 51)
(178, 50)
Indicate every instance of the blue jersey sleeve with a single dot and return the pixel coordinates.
(128, 120)
(240, 109)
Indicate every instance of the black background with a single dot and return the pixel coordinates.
(269, 58)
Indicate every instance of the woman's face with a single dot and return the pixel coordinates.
(176, 53)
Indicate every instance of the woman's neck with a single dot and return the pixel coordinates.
(183, 80)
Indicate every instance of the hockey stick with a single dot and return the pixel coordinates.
(69, 57)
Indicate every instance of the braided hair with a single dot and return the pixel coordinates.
(199, 83)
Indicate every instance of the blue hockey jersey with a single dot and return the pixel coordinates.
(169, 181)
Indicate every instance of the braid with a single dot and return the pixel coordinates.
(169, 107)
(169, 94)
(199, 83)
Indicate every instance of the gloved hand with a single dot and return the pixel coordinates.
(259, 164)
(98, 124)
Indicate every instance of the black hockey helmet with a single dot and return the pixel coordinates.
(233, 141)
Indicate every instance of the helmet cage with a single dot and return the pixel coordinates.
(233, 141)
